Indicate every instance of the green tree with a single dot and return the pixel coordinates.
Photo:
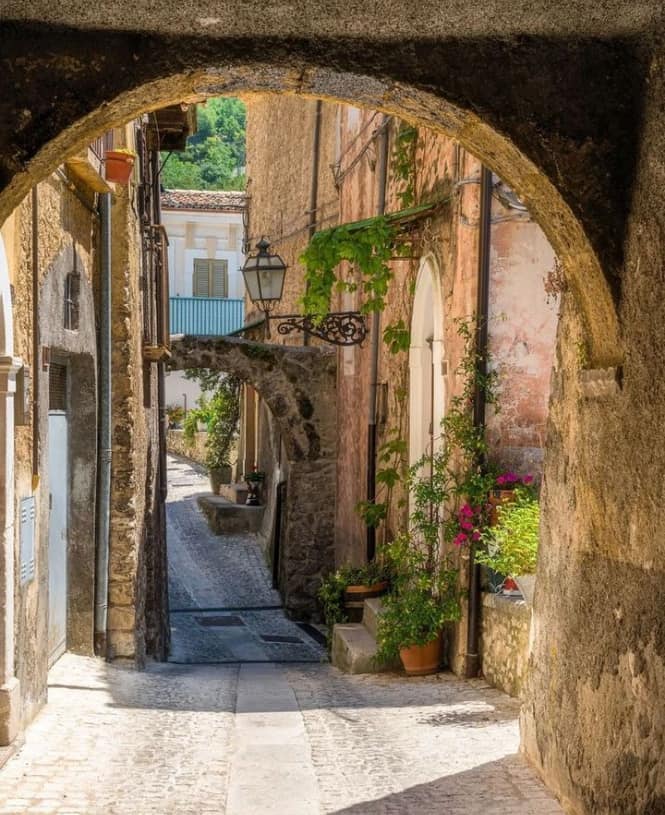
(215, 155)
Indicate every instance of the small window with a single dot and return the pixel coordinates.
(211, 278)
(57, 386)
(72, 290)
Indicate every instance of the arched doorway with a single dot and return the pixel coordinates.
(426, 375)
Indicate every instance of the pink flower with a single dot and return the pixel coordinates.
(527, 479)
(461, 539)
(475, 536)
(466, 511)
(466, 526)
(501, 480)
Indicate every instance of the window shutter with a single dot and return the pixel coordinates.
(201, 278)
(220, 278)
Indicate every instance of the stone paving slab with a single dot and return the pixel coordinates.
(227, 573)
(261, 739)
(207, 570)
(264, 739)
(194, 642)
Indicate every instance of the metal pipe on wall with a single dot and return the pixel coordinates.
(104, 447)
(375, 338)
(314, 186)
(36, 338)
(472, 661)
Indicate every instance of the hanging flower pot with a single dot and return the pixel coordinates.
(119, 165)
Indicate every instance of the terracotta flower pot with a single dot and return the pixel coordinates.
(361, 592)
(420, 660)
(355, 596)
(119, 166)
(497, 498)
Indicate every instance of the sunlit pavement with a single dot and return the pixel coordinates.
(259, 737)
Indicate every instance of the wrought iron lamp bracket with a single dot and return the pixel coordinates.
(338, 328)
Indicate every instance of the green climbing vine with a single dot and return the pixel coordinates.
(367, 247)
(464, 450)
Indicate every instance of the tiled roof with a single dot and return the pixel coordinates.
(208, 200)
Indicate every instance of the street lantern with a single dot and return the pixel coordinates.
(264, 277)
(264, 280)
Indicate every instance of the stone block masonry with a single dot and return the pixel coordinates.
(505, 642)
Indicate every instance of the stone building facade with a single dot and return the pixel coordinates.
(431, 290)
(53, 255)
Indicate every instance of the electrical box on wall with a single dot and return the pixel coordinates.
(27, 512)
(22, 396)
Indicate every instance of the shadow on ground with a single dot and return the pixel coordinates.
(493, 788)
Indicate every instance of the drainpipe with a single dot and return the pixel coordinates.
(36, 338)
(314, 186)
(104, 449)
(375, 338)
(472, 666)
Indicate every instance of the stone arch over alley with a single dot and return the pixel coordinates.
(523, 91)
(541, 159)
(299, 386)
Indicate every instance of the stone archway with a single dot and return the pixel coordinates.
(298, 384)
(9, 686)
(564, 148)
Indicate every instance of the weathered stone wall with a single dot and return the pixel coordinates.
(280, 183)
(504, 642)
(194, 450)
(66, 235)
(522, 338)
(135, 516)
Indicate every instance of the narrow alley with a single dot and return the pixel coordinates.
(256, 739)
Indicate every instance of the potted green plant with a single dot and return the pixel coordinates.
(119, 164)
(220, 414)
(425, 591)
(424, 597)
(510, 546)
(504, 490)
(448, 498)
(343, 592)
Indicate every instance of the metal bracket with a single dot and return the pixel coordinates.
(338, 328)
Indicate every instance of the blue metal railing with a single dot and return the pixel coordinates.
(205, 316)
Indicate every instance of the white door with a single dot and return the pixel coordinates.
(58, 467)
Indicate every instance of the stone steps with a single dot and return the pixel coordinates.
(354, 644)
(371, 613)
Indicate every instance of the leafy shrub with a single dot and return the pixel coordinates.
(511, 546)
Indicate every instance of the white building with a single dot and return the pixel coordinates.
(205, 231)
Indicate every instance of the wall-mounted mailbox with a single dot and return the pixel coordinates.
(22, 397)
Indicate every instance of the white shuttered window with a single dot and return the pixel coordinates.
(211, 278)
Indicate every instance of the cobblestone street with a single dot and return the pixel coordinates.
(255, 737)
